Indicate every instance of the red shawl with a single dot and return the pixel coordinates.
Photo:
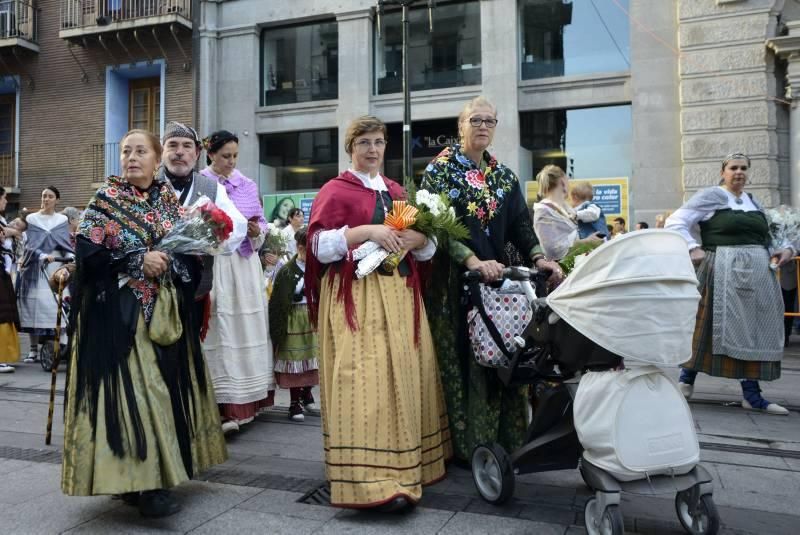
(345, 200)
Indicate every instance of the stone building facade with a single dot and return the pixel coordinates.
(661, 92)
(80, 77)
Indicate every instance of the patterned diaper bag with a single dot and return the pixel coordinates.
(496, 316)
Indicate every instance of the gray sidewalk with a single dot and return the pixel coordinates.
(755, 460)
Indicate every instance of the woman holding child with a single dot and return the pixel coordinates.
(556, 222)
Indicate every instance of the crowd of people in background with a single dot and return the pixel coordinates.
(168, 352)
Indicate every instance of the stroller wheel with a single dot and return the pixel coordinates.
(698, 514)
(493, 473)
(608, 522)
(47, 356)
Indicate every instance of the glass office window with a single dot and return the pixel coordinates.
(300, 63)
(586, 143)
(449, 56)
(567, 37)
(428, 138)
(298, 161)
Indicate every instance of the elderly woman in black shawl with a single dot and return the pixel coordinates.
(140, 411)
(47, 239)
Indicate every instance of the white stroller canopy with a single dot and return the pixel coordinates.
(635, 296)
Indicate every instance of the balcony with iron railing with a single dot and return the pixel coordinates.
(106, 161)
(80, 18)
(19, 24)
(9, 172)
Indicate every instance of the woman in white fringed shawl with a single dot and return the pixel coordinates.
(554, 220)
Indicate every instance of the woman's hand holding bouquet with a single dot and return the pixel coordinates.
(427, 213)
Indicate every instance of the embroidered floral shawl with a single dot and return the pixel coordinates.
(129, 222)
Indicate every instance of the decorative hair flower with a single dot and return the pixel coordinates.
(206, 142)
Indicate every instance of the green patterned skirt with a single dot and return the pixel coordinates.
(90, 468)
(481, 410)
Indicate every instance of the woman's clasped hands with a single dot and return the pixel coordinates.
(397, 241)
(155, 264)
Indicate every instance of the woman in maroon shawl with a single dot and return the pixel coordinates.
(383, 414)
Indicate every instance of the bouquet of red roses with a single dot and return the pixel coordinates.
(202, 229)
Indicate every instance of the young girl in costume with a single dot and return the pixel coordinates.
(295, 340)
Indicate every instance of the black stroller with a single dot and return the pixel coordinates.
(548, 354)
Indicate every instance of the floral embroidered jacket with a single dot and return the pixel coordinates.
(489, 200)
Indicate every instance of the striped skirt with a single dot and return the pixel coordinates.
(703, 358)
(384, 420)
(296, 360)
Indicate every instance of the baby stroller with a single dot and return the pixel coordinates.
(50, 348)
(627, 430)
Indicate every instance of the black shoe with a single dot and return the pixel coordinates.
(129, 498)
(296, 412)
(158, 503)
(401, 504)
(308, 401)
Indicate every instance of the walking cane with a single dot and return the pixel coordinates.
(56, 360)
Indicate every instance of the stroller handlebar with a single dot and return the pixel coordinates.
(63, 259)
(514, 273)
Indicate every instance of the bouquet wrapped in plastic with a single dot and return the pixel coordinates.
(425, 212)
(784, 227)
(202, 229)
(275, 241)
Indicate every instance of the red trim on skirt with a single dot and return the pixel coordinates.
(297, 380)
(245, 412)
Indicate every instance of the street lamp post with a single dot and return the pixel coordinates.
(405, 5)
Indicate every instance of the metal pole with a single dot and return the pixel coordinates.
(407, 169)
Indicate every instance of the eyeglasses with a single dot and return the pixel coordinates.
(365, 144)
(477, 121)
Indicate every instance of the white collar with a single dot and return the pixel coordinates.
(375, 182)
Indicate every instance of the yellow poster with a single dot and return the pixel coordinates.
(610, 194)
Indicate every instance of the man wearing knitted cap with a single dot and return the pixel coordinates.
(182, 147)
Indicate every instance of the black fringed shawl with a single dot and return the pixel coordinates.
(120, 224)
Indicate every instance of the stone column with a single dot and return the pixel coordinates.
(656, 184)
(793, 79)
(788, 47)
(237, 92)
(207, 68)
(355, 72)
(500, 73)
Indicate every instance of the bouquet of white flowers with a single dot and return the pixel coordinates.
(275, 241)
(784, 227)
(425, 212)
